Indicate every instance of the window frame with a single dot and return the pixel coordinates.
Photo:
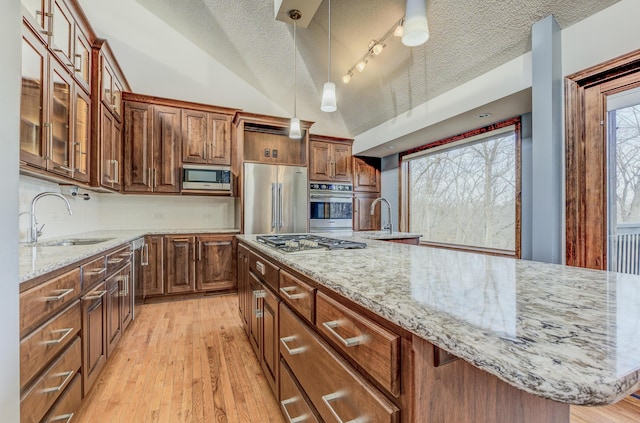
(473, 136)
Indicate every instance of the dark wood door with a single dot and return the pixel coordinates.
(214, 263)
(94, 339)
(319, 161)
(114, 311)
(255, 313)
(116, 154)
(363, 220)
(107, 166)
(194, 136)
(366, 174)
(153, 266)
(61, 98)
(138, 155)
(166, 149)
(341, 162)
(126, 296)
(81, 146)
(270, 340)
(179, 264)
(219, 137)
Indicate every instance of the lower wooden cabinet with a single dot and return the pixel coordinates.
(294, 404)
(214, 263)
(126, 296)
(180, 264)
(269, 351)
(152, 267)
(113, 312)
(244, 292)
(68, 403)
(363, 220)
(94, 336)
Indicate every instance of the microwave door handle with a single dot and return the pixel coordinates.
(273, 205)
(280, 212)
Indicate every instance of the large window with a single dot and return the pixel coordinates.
(464, 192)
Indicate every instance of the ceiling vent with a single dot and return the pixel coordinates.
(307, 8)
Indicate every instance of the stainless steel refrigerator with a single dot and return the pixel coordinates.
(275, 199)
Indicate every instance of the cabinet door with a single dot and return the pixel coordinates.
(81, 137)
(33, 99)
(82, 59)
(60, 118)
(153, 267)
(341, 162)
(94, 339)
(126, 296)
(366, 174)
(38, 16)
(113, 303)
(214, 263)
(166, 149)
(194, 136)
(219, 137)
(107, 162)
(363, 220)
(107, 84)
(255, 310)
(319, 161)
(62, 38)
(270, 340)
(244, 291)
(116, 153)
(179, 264)
(138, 157)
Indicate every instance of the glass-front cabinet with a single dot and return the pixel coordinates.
(37, 12)
(82, 132)
(62, 33)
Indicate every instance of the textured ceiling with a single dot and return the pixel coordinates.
(468, 38)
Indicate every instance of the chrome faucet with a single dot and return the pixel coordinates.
(34, 231)
(388, 227)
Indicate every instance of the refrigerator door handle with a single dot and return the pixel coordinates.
(273, 205)
(280, 205)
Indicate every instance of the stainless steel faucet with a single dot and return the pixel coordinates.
(34, 231)
(388, 227)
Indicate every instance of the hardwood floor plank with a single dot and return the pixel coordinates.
(625, 411)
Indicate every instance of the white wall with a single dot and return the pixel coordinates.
(9, 129)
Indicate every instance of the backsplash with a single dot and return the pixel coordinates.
(108, 211)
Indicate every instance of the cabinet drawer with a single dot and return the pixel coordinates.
(300, 296)
(68, 403)
(37, 349)
(36, 402)
(48, 298)
(293, 403)
(264, 270)
(337, 391)
(94, 271)
(117, 259)
(372, 347)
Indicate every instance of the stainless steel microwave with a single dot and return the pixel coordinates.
(206, 178)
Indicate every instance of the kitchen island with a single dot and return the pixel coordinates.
(565, 334)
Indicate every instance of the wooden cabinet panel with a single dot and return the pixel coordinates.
(341, 162)
(110, 150)
(45, 391)
(362, 218)
(293, 402)
(179, 264)
(114, 312)
(153, 267)
(214, 266)
(166, 149)
(194, 136)
(255, 311)
(298, 295)
(366, 174)
(319, 161)
(48, 298)
(219, 136)
(61, 88)
(81, 146)
(244, 291)
(94, 337)
(126, 296)
(68, 403)
(47, 341)
(138, 155)
(372, 347)
(265, 270)
(337, 390)
(270, 340)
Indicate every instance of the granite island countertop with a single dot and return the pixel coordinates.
(382, 235)
(41, 259)
(564, 333)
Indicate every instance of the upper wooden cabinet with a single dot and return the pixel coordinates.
(329, 159)
(366, 174)
(206, 137)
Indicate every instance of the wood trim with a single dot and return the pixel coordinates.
(160, 101)
(326, 138)
(246, 117)
(585, 139)
(103, 45)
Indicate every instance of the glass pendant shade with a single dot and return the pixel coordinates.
(329, 97)
(294, 130)
(416, 28)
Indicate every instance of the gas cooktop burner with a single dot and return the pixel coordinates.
(306, 242)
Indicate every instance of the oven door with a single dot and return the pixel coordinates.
(329, 212)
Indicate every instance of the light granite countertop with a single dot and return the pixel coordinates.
(563, 333)
(382, 235)
(41, 259)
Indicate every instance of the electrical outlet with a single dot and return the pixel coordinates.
(274, 153)
(266, 152)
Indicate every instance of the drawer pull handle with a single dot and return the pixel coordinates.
(65, 333)
(260, 267)
(286, 289)
(258, 313)
(348, 342)
(292, 351)
(96, 272)
(329, 398)
(115, 260)
(300, 418)
(66, 417)
(66, 375)
(63, 293)
(99, 294)
(259, 293)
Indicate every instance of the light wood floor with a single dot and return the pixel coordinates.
(190, 361)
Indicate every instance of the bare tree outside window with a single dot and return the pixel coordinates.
(466, 195)
(627, 150)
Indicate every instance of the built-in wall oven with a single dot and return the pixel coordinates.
(330, 207)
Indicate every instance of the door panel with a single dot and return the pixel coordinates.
(179, 264)
(292, 199)
(260, 189)
(220, 141)
(137, 147)
(194, 136)
(166, 149)
(215, 263)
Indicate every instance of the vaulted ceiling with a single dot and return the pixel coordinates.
(468, 39)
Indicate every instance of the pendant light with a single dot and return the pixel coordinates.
(329, 89)
(416, 28)
(295, 131)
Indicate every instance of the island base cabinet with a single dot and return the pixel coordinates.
(458, 392)
(94, 336)
(293, 403)
(67, 404)
(336, 391)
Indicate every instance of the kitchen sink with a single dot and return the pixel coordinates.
(73, 241)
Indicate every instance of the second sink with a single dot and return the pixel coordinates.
(74, 241)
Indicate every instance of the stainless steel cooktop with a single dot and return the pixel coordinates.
(290, 243)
